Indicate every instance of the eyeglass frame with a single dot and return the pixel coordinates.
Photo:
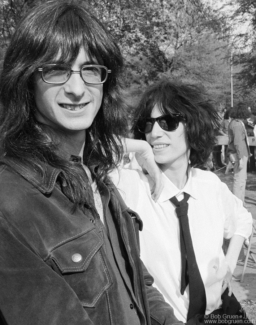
(153, 120)
(75, 71)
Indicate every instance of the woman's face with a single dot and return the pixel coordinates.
(69, 107)
(170, 148)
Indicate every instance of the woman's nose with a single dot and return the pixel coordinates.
(156, 130)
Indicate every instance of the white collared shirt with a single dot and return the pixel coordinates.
(214, 212)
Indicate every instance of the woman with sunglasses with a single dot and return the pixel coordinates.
(185, 257)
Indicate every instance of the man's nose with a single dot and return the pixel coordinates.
(75, 84)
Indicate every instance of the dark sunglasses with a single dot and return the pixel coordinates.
(166, 122)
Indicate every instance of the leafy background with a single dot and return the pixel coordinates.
(186, 39)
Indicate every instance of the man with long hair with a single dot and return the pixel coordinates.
(69, 251)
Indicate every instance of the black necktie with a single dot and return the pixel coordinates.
(190, 272)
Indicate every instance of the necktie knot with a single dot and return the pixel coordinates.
(181, 206)
(182, 210)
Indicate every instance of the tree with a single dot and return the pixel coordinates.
(243, 42)
(157, 37)
(11, 12)
(150, 32)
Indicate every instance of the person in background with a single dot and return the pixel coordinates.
(225, 124)
(226, 121)
(238, 148)
(250, 123)
(69, 251)
(217, 153)
(182, 237)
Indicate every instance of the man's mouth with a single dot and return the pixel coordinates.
(73, 107)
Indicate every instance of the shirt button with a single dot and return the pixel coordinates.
(131, 306)
(77, 258)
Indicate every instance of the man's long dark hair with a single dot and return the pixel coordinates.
(175, 97)
(58, 29)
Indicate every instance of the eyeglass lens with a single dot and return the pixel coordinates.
(60, 74)
(166, 122)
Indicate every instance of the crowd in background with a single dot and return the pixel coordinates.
(236, 145)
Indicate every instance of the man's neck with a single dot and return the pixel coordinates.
(72, 144)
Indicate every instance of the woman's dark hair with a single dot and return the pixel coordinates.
(175, 97)
(58, 29)
(240, 112)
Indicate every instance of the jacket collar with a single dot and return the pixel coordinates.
(43, 180)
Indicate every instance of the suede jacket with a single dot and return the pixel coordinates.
(53, 268)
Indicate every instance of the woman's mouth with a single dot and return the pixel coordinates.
(160, 146)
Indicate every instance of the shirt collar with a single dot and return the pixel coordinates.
(171, 190)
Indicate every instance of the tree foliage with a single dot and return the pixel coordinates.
(157, 37)
(244, 55)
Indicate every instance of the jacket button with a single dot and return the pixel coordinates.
(77, 258)
(131, 306)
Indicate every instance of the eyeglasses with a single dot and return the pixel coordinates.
(58, 74)
(166, 122)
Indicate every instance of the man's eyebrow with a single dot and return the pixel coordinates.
(60, 62)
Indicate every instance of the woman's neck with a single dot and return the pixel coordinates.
(177, 175)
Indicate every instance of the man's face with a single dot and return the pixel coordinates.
(70, 107)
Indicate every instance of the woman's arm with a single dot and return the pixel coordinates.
(232, 255)
(145, 158)
(233, 252)
(238, 227)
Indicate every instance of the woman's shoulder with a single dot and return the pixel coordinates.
(208, 183)
(127, 176)
(205, 175)
(132, 184)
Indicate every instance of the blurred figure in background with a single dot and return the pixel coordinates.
(238, 148)
(226, 121)
(251, 132)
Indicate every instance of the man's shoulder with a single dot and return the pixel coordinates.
(41, 176)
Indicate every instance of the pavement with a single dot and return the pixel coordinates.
(245, 291)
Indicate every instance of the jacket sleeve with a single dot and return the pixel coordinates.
(160, 311)
(31, 292)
